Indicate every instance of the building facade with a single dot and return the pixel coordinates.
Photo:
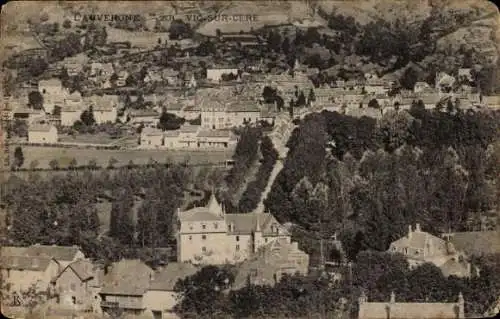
(207, 235)
(77, 286)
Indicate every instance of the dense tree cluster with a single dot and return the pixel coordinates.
(63, 209)
(206, 295)
(179, 30)
(433, 168)
(253, 192)
(169, 121)
(245, 156)
(209, 293)
(379, 274)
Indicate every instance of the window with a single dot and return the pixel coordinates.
(216, 225)
(72, 287)
(406, 251)
(203, 237)
(204, 226)
(237, 238)
(190, 237)
(253, 272)
(265, 240)
(237, 247)
(73, 299)
(204, 249)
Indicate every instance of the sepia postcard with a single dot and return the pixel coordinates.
(250, 159)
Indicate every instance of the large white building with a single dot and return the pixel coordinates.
(207, 235)
(215, 74)
(222, 115)
(192, 137)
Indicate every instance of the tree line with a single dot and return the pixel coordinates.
(66, 209)
(366, 180)
(210, 294)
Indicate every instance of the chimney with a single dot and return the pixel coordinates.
(417, 227)
(393, 297)
(409, 231)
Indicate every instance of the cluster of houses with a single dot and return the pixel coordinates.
(224, 106)
(256, 243)
(260, 247)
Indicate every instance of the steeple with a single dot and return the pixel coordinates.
(296, 64)
(214, 207)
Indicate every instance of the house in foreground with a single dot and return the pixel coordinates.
(161, 298)
(124, 285)
(76, 287)
(22, 267)
(410, 310)
(131, 288)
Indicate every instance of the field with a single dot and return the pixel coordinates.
(64, 156)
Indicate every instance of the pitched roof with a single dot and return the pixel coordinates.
(12, 251)
(61, 253)
(247, 223)
(40, 128)
(84, 269)
(188, 128)
(149, 131)
(102, 103)
(166, 278)
(50, 82)
(475, 243)
(214, 133)
(242, 106)
(420, 240)
(198, 214)
(212, 211)
(127, 277)
(272, 257)
(171, 133)
(143, 113)
(25, 263)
